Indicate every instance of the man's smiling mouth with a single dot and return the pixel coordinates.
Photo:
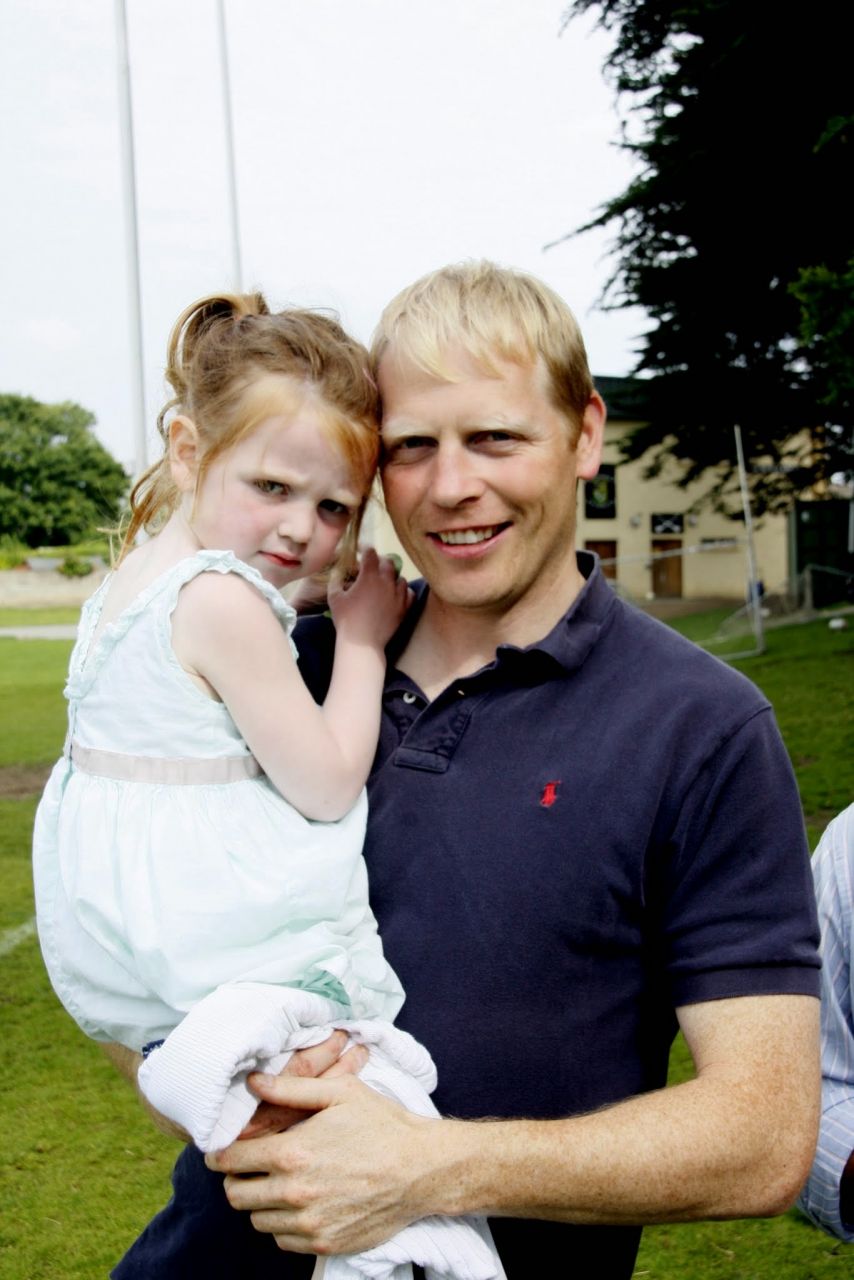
(467, 537)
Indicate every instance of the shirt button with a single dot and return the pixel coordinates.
(409, 698)
(461, 693)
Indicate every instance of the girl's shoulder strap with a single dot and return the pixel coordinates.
(89, 617)
(212, 561)
(153, 608)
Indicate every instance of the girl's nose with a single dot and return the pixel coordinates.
(297, 525)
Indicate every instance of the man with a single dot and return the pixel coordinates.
(828, 1197)
(584, 832)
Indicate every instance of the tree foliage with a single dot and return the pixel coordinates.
(57, 482)
(736, 236)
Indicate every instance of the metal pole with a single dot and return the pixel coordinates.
(234, 216)
(753, 585)
(134, 292)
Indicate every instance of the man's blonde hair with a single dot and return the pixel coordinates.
(493, 313)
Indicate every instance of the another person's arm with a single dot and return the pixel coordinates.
(828, 1196)
(736, 1141)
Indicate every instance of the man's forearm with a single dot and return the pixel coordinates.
(684, 1153)
(737, 1141)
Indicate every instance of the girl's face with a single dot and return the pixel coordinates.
(281, 499)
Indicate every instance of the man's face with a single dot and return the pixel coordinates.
(479, 477)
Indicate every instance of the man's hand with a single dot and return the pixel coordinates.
(322, 1061)
(313, 1188)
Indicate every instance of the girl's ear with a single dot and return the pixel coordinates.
(184, 453)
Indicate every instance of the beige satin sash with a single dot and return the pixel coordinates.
(176, 772)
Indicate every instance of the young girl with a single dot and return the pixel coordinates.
(197, 851)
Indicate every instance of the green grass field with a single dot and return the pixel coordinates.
(81, 1168)
(38, 617)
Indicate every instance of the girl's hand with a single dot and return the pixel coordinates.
(371, 609)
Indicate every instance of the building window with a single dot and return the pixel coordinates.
(600, 494)
(664, 522)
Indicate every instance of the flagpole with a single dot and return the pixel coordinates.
(753, 585)
(234, 218)
(134, 292)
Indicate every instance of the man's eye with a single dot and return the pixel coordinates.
(270, 486)
(493, 436)
(409, 449)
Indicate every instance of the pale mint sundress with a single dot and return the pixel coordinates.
(152, 892)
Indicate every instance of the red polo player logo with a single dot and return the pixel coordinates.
(549, 795)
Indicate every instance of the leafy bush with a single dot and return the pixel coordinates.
(12, 552)
(74, 567)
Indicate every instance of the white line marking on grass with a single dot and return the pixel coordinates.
(13, 938)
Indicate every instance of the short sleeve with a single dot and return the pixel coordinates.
(738, 913)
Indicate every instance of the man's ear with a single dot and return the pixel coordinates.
(588, 450)
(184, 453)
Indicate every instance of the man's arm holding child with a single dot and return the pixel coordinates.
(735, 1141)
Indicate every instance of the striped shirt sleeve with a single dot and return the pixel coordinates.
(833, 870)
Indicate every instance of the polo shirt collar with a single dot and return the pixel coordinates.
(568, 643)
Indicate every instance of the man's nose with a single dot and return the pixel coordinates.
(454, 478)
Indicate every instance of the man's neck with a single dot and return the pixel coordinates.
(451, 641)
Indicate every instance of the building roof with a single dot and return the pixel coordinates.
(627, 398)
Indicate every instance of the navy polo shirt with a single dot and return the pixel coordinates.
(562, 849)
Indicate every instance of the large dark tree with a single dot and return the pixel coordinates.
(737, 235)
(57, 482)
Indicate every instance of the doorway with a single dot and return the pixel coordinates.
(667, 572)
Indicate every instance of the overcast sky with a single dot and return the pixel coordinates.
(375, 140)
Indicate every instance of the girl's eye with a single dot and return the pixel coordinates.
(271, 486)
(333, 508)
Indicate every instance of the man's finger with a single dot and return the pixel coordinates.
(290, 1091)
(258, 1155)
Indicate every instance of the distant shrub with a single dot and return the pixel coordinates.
(12, 552)
(74, 567)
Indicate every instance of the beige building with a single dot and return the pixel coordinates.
(652, 543)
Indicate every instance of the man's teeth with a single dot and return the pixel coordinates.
(459, 537)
